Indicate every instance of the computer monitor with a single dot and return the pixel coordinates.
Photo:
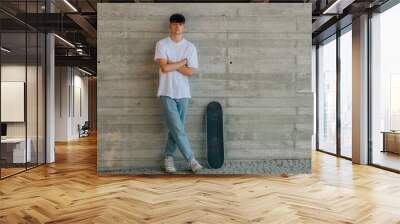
(3, 129)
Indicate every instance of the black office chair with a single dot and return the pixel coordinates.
(84, 130)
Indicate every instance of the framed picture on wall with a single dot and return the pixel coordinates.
(12, 101)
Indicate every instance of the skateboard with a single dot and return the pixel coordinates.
(215, 135)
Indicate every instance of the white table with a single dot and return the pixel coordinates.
(19, 153)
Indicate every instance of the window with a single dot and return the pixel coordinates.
(346, 75)
(327, 96)
(385, 89)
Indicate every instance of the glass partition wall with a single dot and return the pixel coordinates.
(22, 88)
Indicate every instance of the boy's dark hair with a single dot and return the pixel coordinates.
(177, 18)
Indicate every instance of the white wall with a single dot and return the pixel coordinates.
(62, 81)
(17, 73)
(70, 82)
(80, 84)
(14, 73)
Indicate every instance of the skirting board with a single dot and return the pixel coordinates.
(256, 167)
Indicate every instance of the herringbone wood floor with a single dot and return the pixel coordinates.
(70, 191)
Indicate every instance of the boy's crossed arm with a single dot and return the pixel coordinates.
(167, 66)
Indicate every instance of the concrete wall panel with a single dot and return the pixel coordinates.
(255, 59)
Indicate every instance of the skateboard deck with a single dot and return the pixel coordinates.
(215, 135)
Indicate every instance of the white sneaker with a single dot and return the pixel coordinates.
(195, 166)
(169, 164)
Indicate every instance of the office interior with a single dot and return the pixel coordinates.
(48, 104)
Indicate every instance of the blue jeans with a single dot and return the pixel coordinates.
(174, 115)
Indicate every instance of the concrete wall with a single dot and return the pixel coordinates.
(255, 59)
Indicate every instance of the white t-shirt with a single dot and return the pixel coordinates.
(174, 84)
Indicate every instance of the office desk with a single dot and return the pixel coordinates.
(16, 147)
(391, 141)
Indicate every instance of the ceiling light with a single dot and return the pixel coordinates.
(329, 9)
(65, 41)
(5, 50)
(70, 5)
(86, 72)
(337, 7)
